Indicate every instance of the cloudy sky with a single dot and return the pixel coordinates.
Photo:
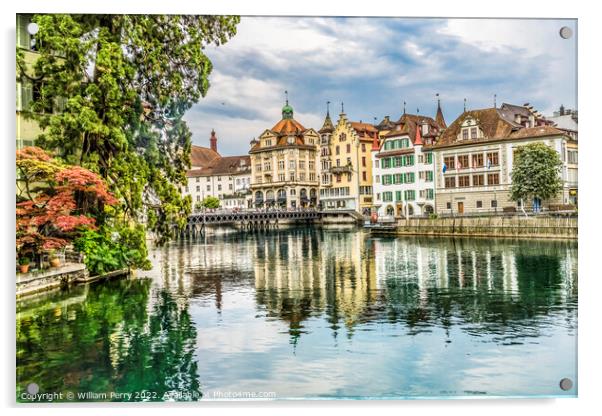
(373, 65)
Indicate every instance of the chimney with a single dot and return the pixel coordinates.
(213, 141)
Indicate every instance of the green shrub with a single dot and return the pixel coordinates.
(433, 216)
(23, 261)
(108, 249)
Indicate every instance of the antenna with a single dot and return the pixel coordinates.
(342, 108)
(286, 94)
(438, 100)
(465, 105)
(327, 108)
(494, 100)
(404, 107)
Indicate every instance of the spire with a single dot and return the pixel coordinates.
(494, 100)
(342, 108)
(418, 138)
(287, 110)
(465, 105)
(213, 141)
(327, 127)
(439, 117)
(404, 107)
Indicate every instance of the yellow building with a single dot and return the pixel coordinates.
(27, 129)
(284, 163)
(346, 166)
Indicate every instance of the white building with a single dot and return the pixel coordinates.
(478, 151)
(225, 177)
(402, 167)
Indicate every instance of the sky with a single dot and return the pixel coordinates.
(373, 65)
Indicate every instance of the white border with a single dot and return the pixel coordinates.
(590, 277)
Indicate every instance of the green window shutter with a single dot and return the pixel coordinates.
(26, 95)
(398, 195)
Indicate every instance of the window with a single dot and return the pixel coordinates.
(291, 164)
(337, 150)
(478, 180)
(398, 178)
(348, 148)
(377, 163)
(398, 195)
(386, 163)
(267, 166)
(477, 160)
(479, 204)
(363, 147)
(338, 178)
(464, 134)
(302, 164)
(387, 180)
(268, 142)
(450, 182)
(428, 176)
(281, 165)
(198, 179)
(473, 133)
(493, 158)
(409, 195)
(377, 178)
(428, 158)
(198, 189)
(387, 196)
(342, 137)
(364, 176)
(493, 179)
(292, 176)
(409, 177)
(219, 187)
(430, 194)
(572, 156)
(208, 187)
(302, 176)
(364, 161)
(464, 181)
(311, 165)
(198, 198)
(463, 162)
(281, 177)
(494, 203)
(450, 162)
(448, 205)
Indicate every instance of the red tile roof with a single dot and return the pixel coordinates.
(202, 156)
(228, 165)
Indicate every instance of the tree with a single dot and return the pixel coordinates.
(210, 202)
(127, 80)
(58, 202)
(536, 172)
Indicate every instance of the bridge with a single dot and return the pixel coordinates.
(247, 220)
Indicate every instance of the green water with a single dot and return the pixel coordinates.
(312, 314)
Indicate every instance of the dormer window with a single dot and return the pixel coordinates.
(473, 133)
(342, 137)
(268, 142)
(291, 139)
(464, 134)
(425, 129)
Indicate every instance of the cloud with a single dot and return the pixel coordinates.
(373, 65)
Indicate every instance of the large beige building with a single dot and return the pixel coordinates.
(284, 161)
(474, 158)
(346, 165)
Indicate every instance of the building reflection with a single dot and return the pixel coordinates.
(350, 280)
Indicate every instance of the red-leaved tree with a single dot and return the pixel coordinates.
(56, 201)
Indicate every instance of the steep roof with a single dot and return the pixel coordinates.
(439, 117)
(364, 130)
(202, 156)
(327, 127)
(407, 125)
(288, 126)
(496, 124)
(228, 165)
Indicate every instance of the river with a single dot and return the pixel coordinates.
(312, 313)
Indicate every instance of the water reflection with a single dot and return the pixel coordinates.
(309, 313)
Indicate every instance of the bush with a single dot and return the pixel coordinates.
(24, 261)
(433, 216)
(107, 250)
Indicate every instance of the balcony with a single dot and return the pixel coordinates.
(337, 170)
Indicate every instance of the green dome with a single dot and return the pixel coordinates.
(287, 111)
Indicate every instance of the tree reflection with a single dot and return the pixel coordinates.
(121, 336)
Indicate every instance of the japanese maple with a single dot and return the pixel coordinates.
(56, 201)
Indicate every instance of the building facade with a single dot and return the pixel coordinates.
(474, 158)
(284, 165)
(346, 165)
(403, 167)
(227, 178)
